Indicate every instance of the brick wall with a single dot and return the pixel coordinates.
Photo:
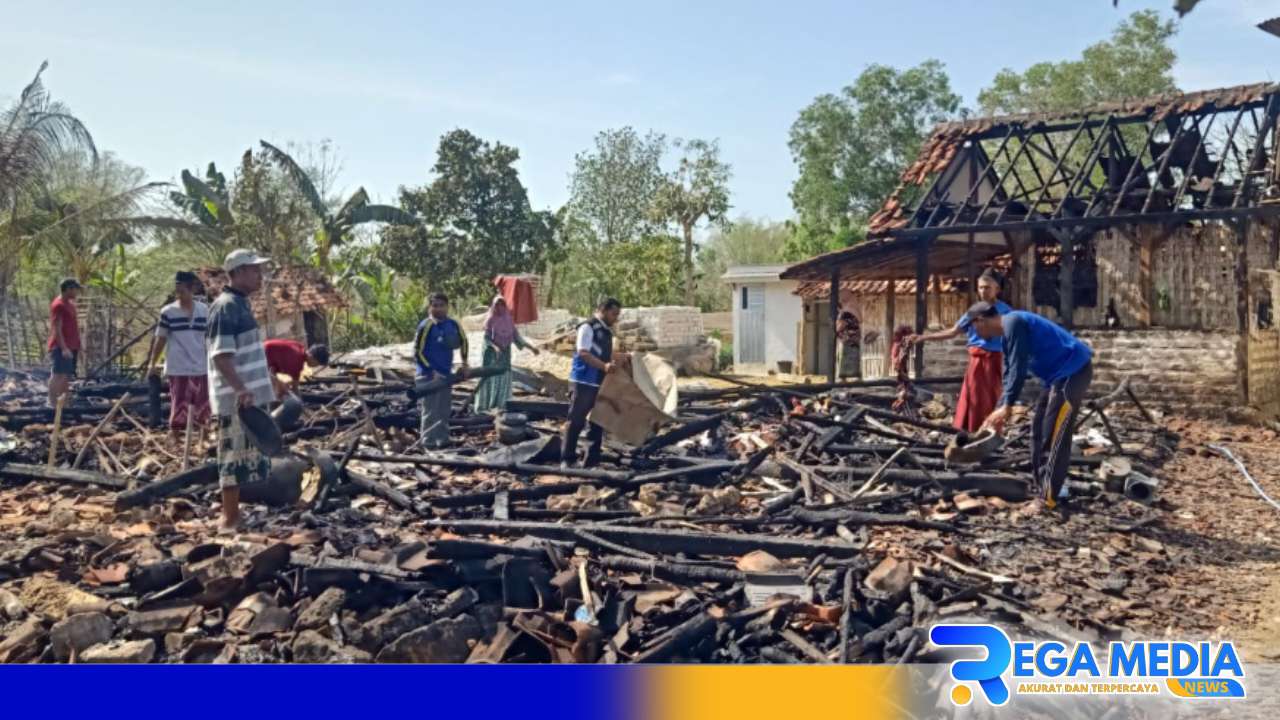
(669, 325)
(1185, 371)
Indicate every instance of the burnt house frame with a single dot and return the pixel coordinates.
(989, 188)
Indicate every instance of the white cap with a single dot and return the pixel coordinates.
(242, 257)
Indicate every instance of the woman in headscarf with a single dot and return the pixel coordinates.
(984, 376)
(849, 333)
(499, 335)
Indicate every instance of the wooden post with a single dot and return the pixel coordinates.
(1066, 277)
(835, 314)
(937, 301)
(1273, 248)
(973, 270)
(186, 443)
(98, 429)
(890, 310)
(922, 308)
(57, 429)
(1146, 278)
(1241, 227)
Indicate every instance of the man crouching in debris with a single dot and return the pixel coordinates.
(437, 338)
(593, 360)
(238, 378)
(1065, 367)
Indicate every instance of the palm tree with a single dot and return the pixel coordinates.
(84, 212)
(35, 131)
(335, 227)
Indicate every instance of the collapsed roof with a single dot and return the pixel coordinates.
(1163, 159)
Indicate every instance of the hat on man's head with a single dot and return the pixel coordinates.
(69, 284)
(240, 258)
(186, 277)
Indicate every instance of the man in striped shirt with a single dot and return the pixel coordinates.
(238, 378)
(181, 329)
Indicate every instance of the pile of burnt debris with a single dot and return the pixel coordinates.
(782, 524)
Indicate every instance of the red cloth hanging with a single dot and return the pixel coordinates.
(981, 389)
(520, 298)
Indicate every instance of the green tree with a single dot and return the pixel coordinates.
(476, 221)
(850, 147)
(697, 190)
(271, 215)
(1136, 61)
(613, 187)
(643, 272)
(335, 225)
(745, 241)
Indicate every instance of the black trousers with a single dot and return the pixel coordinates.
(1051, 428)
(580, 404)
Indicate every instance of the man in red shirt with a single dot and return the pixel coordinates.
(288, 357)
(64, 339)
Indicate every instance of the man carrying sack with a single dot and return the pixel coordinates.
(593, 360)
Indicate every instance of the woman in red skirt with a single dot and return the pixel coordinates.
(982, 379)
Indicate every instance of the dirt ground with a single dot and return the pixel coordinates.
(1231, 536)
(1226, 570)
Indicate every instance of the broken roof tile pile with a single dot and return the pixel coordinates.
(294, 289)
(787, 524)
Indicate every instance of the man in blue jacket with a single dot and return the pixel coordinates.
(1064, 365)
(593, 359)
(437, 338)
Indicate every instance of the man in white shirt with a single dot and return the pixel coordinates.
(181, 330)
(593, 360)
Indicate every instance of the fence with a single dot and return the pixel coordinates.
(107, 325)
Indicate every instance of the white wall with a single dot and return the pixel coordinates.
(783, 313)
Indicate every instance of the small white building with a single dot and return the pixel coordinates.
(768, 319)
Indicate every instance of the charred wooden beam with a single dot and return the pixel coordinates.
(657, 540)
(27, 473)
(145, 495)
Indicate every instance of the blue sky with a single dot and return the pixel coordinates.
(171, 85)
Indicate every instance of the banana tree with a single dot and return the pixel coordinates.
(335, 227)
(208, 201)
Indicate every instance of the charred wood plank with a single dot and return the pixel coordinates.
(682, 638)
(657, 540)
(678, 572)
(27, 473)
(202, 475)
(807, 516)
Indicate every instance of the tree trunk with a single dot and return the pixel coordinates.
(688, 264)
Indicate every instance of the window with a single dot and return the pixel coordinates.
(744, 297)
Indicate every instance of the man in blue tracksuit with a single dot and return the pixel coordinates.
(593, 359)
(1064, 365)
(437, 338)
